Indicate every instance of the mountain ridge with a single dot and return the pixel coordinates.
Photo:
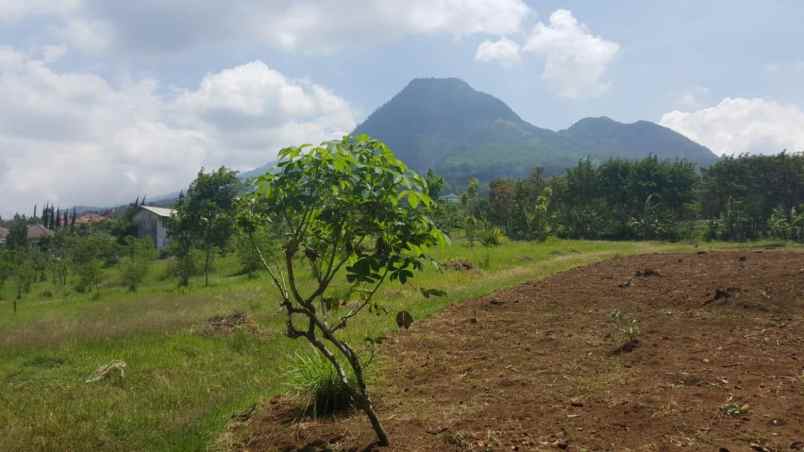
(446, 125)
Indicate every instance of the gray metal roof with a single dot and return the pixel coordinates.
(159, 211)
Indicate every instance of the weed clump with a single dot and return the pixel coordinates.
(625, 331)
(313, 379)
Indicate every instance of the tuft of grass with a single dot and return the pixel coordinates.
(313, 379)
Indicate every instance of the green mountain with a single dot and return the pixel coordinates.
(446, 125)
(604, 137)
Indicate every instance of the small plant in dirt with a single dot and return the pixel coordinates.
(312, 378)
(735, 409)
(625, 330)
(344, 206)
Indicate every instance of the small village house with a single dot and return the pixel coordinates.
(37, 232)
(3, 235)
(91, 218)
(152, 223)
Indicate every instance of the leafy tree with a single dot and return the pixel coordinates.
(779, 225)
(137, 262)
(6, 268)
(344, 205)
(86, 263)
(205, 216)
(757, 184)
(17, 234)
(24, 275)
(249, 247)
(469, 203)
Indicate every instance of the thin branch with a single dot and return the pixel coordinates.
(342, 321)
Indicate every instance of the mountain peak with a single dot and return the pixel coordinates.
(446, 125)
(432, 116)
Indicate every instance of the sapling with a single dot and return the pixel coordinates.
(347, 206)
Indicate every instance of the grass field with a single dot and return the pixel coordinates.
(182, 386)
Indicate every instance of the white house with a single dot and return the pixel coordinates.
(152, 222)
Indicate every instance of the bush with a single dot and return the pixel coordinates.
(492, 236)
(313, 379)
(135, 265)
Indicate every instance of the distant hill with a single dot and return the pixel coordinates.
(604, 137)
(446, 125)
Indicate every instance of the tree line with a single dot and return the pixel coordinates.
(739, 198)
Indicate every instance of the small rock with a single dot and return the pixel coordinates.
(562, 444)
(797, 445)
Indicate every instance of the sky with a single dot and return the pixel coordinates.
(103, 101)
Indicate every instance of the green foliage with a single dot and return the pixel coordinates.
(252, 248)
(24, 274)
(312, 378)
(779, 226)
(492, 236)
(86, 254)
(344, 205)
(205, 218)
(744, 191)
(6, 268)
(624, 199)
(137, 262)
(17, 234)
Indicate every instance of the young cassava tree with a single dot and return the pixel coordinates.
(350, 206)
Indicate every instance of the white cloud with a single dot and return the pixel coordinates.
(575, 59)
(739, 125)
(15, 10)
(791, 67)
(694, 98)
(308, 26)
(74, 138)
(503, 51)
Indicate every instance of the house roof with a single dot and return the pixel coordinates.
(91, 218)
(37, 231)
(159, 211)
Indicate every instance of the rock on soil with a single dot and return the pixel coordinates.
(507, 380)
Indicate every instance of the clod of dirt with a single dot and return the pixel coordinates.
(224, 325)
(404, 319)
(496, 302)
(459, 265)
(797, 445)
(627, 347)
(743, 259)
(723, 295)
(647, 273)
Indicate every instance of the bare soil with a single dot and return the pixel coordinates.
(718, 365)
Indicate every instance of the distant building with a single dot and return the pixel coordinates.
(152, 223)
(3, 235)
(37, 232)
(451, 198)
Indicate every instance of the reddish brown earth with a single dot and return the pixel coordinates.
(531, 368)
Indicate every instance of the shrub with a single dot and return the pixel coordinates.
(312, 378)
(136, 264)
(492, 236)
